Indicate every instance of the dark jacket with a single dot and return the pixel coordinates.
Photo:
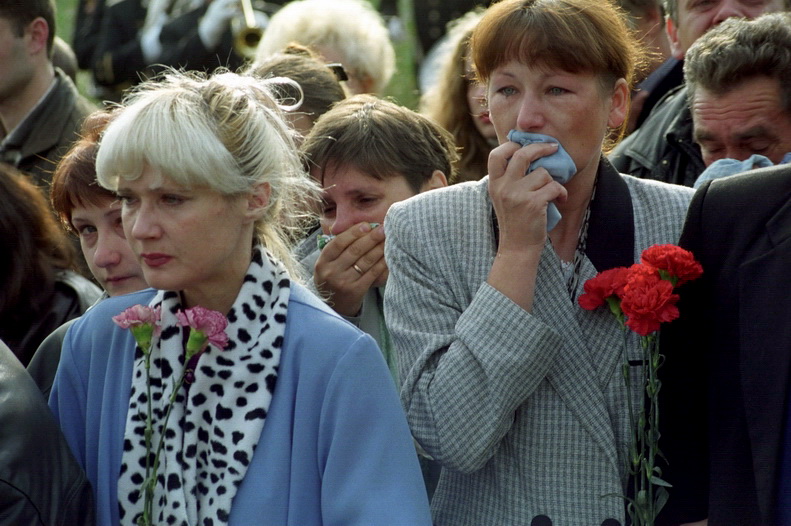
(725, 379)
(39, 142)
(71, 296)
(36, 145)
(662, 148)
(118, 60)
(44, 364)
(41, 483)
(667, 77)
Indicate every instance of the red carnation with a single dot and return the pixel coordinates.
(605, 284)
(648, 301)
(676, 264)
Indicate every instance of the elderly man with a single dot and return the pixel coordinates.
(738, 79)
(726, 376)
(663, 147)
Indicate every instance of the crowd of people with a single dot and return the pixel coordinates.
(242, 285)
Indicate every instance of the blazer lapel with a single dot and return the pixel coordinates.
(573, 375)
(611, 228)
(765, 350)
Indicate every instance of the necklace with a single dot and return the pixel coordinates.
(579, 253)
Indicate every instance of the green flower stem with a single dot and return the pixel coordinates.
(643, 449)
(634, 455)
(148, 491)
(151, 478)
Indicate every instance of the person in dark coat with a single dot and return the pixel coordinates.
(40, 108)
(725, 380)
(41, 483)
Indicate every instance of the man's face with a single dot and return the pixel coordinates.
(746, 120)
(16, 68)
(695, 17)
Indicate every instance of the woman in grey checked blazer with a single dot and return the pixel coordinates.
(507, 382)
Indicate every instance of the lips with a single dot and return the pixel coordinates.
(154, 260)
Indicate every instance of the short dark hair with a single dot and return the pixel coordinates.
(671, 10)
(739, 49)
(22, 12)
(74, 181)
(382, 139)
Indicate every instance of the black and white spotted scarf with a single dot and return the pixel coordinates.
(213, 431)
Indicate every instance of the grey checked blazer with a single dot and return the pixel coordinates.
(528, 412)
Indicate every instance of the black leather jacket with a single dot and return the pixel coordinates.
(41, 483)
(72, 294)
(662, 148)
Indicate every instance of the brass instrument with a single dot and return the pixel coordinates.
(247, 31)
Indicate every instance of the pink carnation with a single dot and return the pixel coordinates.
(210, 323)
(137, 315)
(143, 322)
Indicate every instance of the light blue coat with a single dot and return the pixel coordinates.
(335, 449)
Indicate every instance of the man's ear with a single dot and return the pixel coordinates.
(672, 36)
(37, 33)
(438, 180)
(258, 200)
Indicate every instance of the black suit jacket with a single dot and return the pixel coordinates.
(725, 379)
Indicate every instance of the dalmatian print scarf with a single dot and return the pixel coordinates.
(216, 422)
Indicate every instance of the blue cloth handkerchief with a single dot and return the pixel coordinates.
(559, 165)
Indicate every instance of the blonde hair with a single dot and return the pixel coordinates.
(224, 132)
(351, 27)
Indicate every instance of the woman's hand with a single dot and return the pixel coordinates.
(520, 202)
(520, 199)
(349, 265)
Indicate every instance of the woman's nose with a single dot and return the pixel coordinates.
(344, 219)
(107, 253)
(143, 223)
(530, 116)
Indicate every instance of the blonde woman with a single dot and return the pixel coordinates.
(295, 421)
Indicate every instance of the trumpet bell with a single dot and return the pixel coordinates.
(246, 38)
(248, 29)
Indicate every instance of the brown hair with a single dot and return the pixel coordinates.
(446, 101)
(74, 181)
(35, 246)
(320, 85)
(381, 139)
(577, 36)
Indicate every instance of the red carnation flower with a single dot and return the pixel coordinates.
(606, 284)
(676, 264)
(647, 302)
